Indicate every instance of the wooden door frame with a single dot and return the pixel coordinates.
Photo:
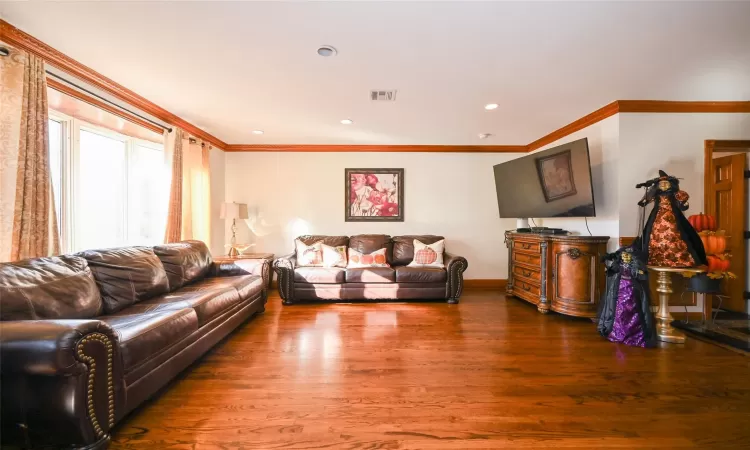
(712, 146)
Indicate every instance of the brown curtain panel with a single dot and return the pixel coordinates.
(34, 221)
(174, 149)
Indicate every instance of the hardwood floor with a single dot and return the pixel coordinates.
(487, 373)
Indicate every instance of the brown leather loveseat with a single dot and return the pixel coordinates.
(398, 282)
(86, 338)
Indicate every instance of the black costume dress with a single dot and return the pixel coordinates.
(625, 311)
(668, 239)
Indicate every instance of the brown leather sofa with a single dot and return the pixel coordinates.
(398, 282)
(86, 338)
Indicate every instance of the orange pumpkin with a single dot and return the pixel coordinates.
(702, 222)
(717, 263)
(714, 244)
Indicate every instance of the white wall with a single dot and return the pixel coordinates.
(217, 166)
(449, 194)
(453, 194)
(673, 143)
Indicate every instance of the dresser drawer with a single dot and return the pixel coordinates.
(526, 289)
(529, 260)
(527, 247)
(529, 274)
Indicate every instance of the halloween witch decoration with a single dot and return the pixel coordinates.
(668, 239)
(625, 313)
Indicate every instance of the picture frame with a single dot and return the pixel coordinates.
(556, 176)
(374, 195)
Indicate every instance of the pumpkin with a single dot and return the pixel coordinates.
(702, 222)
(717, 263)
(714, 244)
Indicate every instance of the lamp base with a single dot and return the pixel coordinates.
(233, 253)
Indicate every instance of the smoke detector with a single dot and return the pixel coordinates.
(327, 50)
(383, 96)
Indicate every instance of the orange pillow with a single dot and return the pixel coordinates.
(375, 259)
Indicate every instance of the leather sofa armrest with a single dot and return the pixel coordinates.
(59, 371)
(284, 267)
(259, 267)
(455, 266)
(49, 347)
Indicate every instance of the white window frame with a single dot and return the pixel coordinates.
(66, 180)
(71, 130)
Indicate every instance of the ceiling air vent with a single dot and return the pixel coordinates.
(383, 96)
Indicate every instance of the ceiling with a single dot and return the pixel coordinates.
(233, 67)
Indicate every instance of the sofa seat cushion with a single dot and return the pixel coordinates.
(407, 274)
(323, 275)
(143, 336)
(126, 275)
(371, 275)
(245, 285)
(207, 304)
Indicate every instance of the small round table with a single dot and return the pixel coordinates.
(664, 330)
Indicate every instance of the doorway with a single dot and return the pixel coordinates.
(726, 197)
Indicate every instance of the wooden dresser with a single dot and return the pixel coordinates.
(555, 272)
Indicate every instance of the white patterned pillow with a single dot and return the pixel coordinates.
(358, 260)
(334, 256)
(428, 255)
(309, 255)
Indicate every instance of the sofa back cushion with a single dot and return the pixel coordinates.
(60, 287)
(185, 262)
(368, 243)
(333, 241)
(403, 247)
(126, 275)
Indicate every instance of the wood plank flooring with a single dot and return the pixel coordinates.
(487, 373)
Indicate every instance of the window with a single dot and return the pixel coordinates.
(115, 190)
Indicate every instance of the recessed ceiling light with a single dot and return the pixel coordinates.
(327, 50)
(485, 135)
(490, 106)
(257, 131)
(347, 121)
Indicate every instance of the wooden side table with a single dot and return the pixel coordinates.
(664, 330)
(249, 258)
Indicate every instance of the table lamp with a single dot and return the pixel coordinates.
(234, 211)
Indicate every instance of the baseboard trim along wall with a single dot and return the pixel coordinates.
(487, 284)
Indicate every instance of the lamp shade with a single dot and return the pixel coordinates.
(234, 211)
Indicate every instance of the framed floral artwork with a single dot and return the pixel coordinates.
(556, 176)
(374, 195)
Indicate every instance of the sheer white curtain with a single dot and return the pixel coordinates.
(190, 192)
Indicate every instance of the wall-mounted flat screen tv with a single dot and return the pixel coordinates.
(552, 183)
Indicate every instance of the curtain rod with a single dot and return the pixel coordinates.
(108, 101)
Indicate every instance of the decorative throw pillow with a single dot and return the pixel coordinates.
(359, 260)
(334, 256)
(309, 255)
(428, 255)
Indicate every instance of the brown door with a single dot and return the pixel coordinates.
(726, 200)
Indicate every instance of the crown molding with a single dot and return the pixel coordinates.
(666, 106)
(577, 125)
(24, 41)
(377, 148)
